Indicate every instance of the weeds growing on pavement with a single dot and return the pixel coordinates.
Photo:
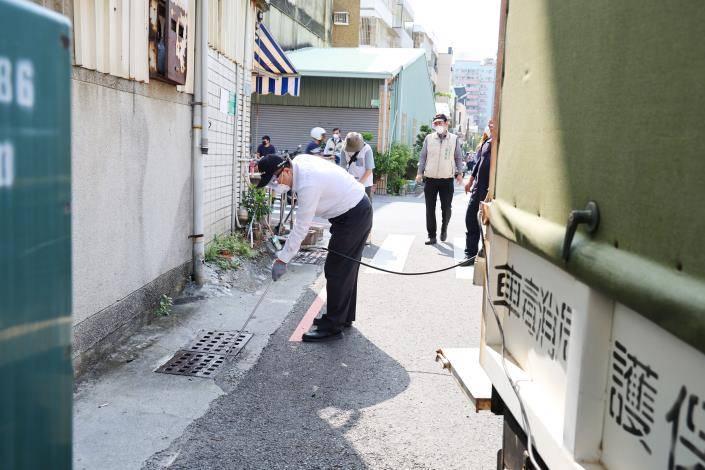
(165, 304)
(226, 251)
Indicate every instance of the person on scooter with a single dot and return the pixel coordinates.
(315, 147)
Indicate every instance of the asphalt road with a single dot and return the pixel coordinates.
(375, 399)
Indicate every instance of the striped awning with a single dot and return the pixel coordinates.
(275, 73)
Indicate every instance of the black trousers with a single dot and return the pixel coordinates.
(348, 235)
(472, 236)
(433, 188)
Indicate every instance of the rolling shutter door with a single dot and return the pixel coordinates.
(290, 126)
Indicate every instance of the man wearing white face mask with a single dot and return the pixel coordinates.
(327, 191)
(358, 160)
(441, 160)
(334, 146)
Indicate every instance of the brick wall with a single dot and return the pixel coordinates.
(347, 36)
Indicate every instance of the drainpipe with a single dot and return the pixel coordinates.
(200, 138)
(385, 116)
(239, 136)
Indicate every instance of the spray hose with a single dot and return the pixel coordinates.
(465, 262)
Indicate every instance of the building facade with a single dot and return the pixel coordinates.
(445, 95)
(477, 77)
(425, 40)
(132, 143)
(299, 24)
(386, 23)
(386, 92)
(346, 23)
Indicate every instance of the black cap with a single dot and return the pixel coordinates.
(440, 117)
(267, 166)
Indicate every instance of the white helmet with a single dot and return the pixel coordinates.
(317, 133)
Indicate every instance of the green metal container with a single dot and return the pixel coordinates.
(35, 238)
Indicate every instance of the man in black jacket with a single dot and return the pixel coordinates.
(477, 186)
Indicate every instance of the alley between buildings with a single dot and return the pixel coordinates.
(375, 399)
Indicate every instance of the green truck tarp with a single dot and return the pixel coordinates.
(605, 101)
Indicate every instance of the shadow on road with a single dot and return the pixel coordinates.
(294, 408)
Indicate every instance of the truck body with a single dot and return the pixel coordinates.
(593, 317)
(35, 238)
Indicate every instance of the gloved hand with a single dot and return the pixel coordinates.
(278, 269)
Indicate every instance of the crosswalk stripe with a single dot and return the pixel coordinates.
(393, 253)
(465, 272)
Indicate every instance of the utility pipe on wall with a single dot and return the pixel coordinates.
(239, 148)
(200, 138)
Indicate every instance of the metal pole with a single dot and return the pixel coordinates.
(200, 139)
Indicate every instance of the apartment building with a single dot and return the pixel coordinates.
(425, 40)
(386, 23)
(346, 23)
(477, 77)
(299, 24)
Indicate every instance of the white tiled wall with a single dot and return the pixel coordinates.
(220, 183)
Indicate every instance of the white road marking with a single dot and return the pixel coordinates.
(466, 272)
(392, 254)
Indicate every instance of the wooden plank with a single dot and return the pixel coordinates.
(464, 365)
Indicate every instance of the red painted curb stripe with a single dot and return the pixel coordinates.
(311, 313)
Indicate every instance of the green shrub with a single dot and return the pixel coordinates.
(165, 304)
(394, 164)
(367, 136)
(420, 137)
(234, 244)
(256, 201)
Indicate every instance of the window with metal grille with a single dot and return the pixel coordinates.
(341, 18)
(366, 27)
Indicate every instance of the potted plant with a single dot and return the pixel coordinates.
(256, 201)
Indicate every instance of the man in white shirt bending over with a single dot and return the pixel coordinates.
(326, 191)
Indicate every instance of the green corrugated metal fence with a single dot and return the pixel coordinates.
(330, 93)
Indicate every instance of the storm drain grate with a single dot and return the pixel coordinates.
(206, 354)
(219, 342)
(195, 364)
(310, 257)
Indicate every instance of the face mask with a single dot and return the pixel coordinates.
(278, 188)
(487, 131)
(439, 129)
(335, 136)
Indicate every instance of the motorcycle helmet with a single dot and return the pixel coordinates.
(317, 133)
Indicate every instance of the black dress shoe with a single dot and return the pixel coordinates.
(430, 241)
(318, 336)
(444, 234)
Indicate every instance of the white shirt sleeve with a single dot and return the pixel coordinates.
(307, 199)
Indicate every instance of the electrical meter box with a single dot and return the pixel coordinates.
(35, 238)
